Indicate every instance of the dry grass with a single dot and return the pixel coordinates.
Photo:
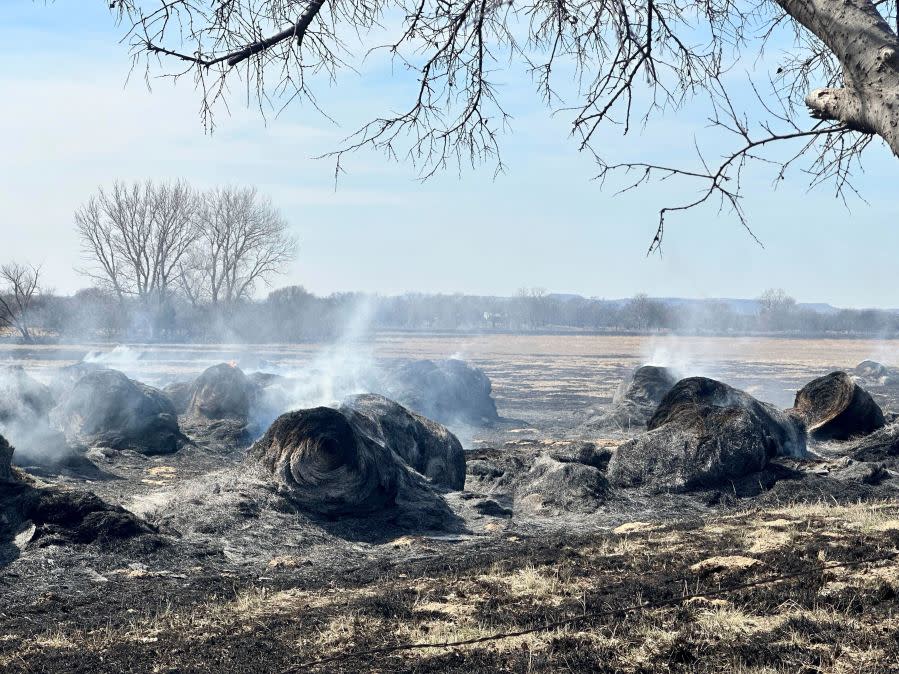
(519, 591)
(726, 622)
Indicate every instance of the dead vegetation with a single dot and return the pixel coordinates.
(816, 604)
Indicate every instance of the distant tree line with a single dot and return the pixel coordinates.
(169, 262)
(292, 314)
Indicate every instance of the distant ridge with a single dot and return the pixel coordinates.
(738, 306)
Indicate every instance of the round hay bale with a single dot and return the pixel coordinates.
(871, 369)
(105, 408)
(23, 399)
(567, 486)
(326, 465)
(646, 384)
(704, 434)
(425, 445)
(6, 451)
(179, 393)
(221, 392)
(66, 377)
(637, 397)
(449, 391)
(834, 407)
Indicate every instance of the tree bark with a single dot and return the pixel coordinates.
(868, 50)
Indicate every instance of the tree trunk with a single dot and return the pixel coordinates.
(868, 50)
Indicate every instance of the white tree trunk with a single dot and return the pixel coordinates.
(868, 49)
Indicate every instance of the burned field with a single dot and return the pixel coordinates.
(744, 518)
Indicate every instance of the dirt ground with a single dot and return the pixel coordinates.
(233, 580)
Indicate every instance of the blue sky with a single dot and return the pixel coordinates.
(71, 123)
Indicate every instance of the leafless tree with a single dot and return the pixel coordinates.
(135, 237)
(242, 241)
(18, 294)
(777, 310)
(776, 300)
(628, 60)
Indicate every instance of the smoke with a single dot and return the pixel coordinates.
(734, 361)
(446, 392)
(120, 356)
(344, 367)
(25, 404)
(686, 357)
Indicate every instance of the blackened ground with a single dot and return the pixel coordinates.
(832, 618)
(233, 579)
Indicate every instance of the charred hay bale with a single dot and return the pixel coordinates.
(882, 445)
(583, 452)
(871, 370)
(449, 391)
(179, 393)
(567, 486)
(25, 405)
(22, 398)
(636, 399)
(834, 407)
(6, 451)
(66, 377)
(425, 445)
(221, 392)
(325, 464)
(647, 384)
(70, 516)
(105, 408)
(266, 379)
(704, 434)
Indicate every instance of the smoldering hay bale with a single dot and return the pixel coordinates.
(834, 407)
(562, 485)
(179, 393)
(449, 391)
(325, 465)
(106, 408)
(221, 392)
(23, 399)
(636, 399)
(25, 405)
(704, 434)
(6, 452)
(338, 462)
(871, 369)
(425, 445)
(646, 384)
(66, 377)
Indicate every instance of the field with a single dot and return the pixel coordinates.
(233, 583)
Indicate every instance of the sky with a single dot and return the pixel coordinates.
(72, 120)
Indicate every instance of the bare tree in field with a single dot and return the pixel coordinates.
(136, 236)
(242, 241)
(18, 293)
(827, 71)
